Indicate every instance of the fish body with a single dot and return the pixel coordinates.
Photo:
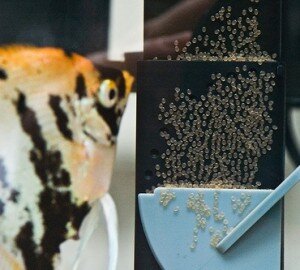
(59, 119)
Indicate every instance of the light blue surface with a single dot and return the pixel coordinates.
(170, 235)
(260, 210)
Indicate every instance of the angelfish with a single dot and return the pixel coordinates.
(59, 120)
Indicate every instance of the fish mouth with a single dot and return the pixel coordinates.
(92, 167)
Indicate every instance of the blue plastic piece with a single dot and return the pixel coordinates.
(170, 232)
(260, 210)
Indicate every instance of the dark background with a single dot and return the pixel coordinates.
(76, 25)
(82, 26)
(290, 34)
(153, 8)
(291, 46)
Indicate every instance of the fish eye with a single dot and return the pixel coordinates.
(108, 94)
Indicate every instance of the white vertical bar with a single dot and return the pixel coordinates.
(126, 28)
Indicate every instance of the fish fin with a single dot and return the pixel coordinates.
(111, 218)
(90, 225)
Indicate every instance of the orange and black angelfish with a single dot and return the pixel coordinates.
(59, 119)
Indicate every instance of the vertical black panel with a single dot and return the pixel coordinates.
(157, 80)
(291, 45)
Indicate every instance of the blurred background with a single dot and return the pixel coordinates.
(80, 26)
(110, 32)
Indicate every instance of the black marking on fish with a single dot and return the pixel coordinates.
(2, 206)
(79, 213)
(90, 136)
(3, 179)
(68, 98)
(3, 184)
(80, 88)
(21, 106)
(3, 74)
(62, 119)
(109, 117)
(14, 196)
(119, 112)
(68, 53)
(29, 123)
(48, 166)
(56, 217)
(56, 207)
(25, 243)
